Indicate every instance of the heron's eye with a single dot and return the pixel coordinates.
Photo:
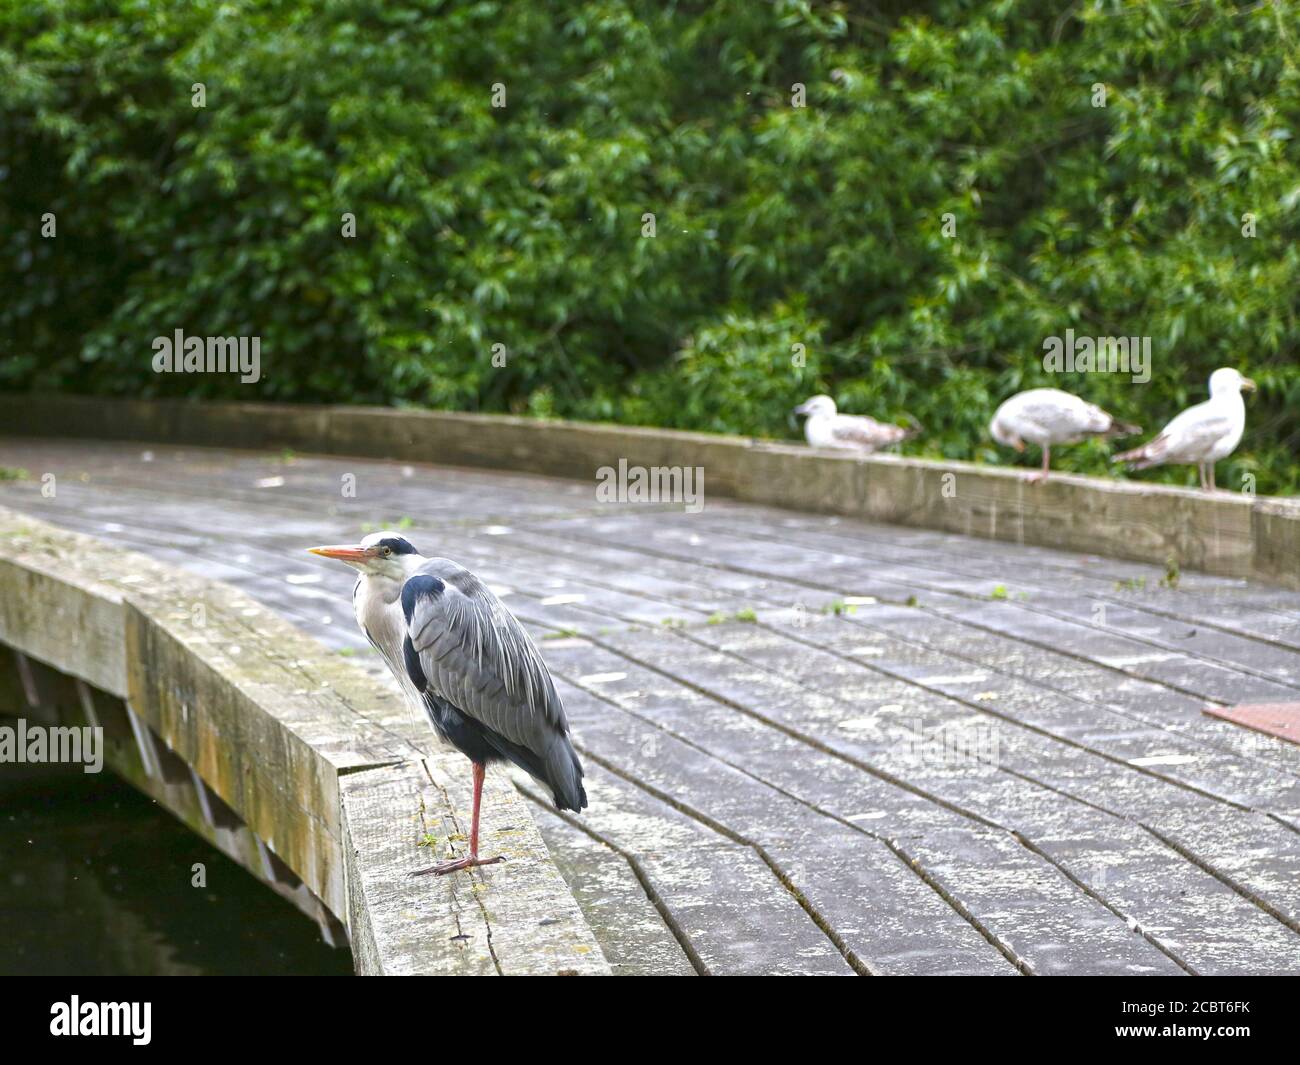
(387, 551)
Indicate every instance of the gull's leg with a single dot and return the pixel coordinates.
(1043, 473)
(1210, 467)
(473, 859)
(1200, 470)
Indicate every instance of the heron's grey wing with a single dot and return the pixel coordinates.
(476, 655)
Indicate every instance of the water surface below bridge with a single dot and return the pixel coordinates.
(99, 880)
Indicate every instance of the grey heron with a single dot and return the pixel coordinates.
(1047, 416)
(1201, 435)
(464, 659)
(826, 427)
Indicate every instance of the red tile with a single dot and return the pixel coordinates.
(1277, 719)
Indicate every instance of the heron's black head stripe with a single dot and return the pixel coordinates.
(421, 586)
(398, 545)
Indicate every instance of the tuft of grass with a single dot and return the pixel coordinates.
(12, 473)
(913, 601)
(428, 840)
(1000, 592)
(721, 617)
(1172, 575)
(560, 634)
(1131, 584)
(839, 607)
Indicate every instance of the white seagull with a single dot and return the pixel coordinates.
(851, 432)
(1047, 416)
(1201, 435)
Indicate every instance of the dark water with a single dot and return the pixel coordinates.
(95, 880)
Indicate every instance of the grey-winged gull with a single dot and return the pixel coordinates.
(1201, 435)
(1047, 416)
(826, 427)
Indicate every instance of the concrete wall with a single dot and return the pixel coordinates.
(291, 760)
(1228, 533)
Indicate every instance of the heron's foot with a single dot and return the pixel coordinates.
(457, 864)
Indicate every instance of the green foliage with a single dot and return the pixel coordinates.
(775, 225)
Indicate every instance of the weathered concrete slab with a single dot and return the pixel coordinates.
(500, 920)
(831, 864)
(233, 712)
(773, 705)
(1276, 533)
(628, 923)
(739, 918)
(397, 931)
(999, 793)
(1222, 533)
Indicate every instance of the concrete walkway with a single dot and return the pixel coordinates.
(814, 745)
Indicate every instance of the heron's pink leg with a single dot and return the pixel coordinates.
(479, 771)
(473, 859)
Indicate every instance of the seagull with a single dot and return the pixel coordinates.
(1047, 416)
(463, 659)
(849, 432)
(1201, 435)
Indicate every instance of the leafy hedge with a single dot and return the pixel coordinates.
(776, 225)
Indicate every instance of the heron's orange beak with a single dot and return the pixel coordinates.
(1247, 385)
(344, 552)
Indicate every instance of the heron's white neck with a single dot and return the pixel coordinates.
(383, 578)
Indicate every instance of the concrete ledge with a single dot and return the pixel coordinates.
(1227, 534)
(297, 764)
(1276, 531)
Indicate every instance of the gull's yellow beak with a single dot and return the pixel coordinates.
(1247, 385)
